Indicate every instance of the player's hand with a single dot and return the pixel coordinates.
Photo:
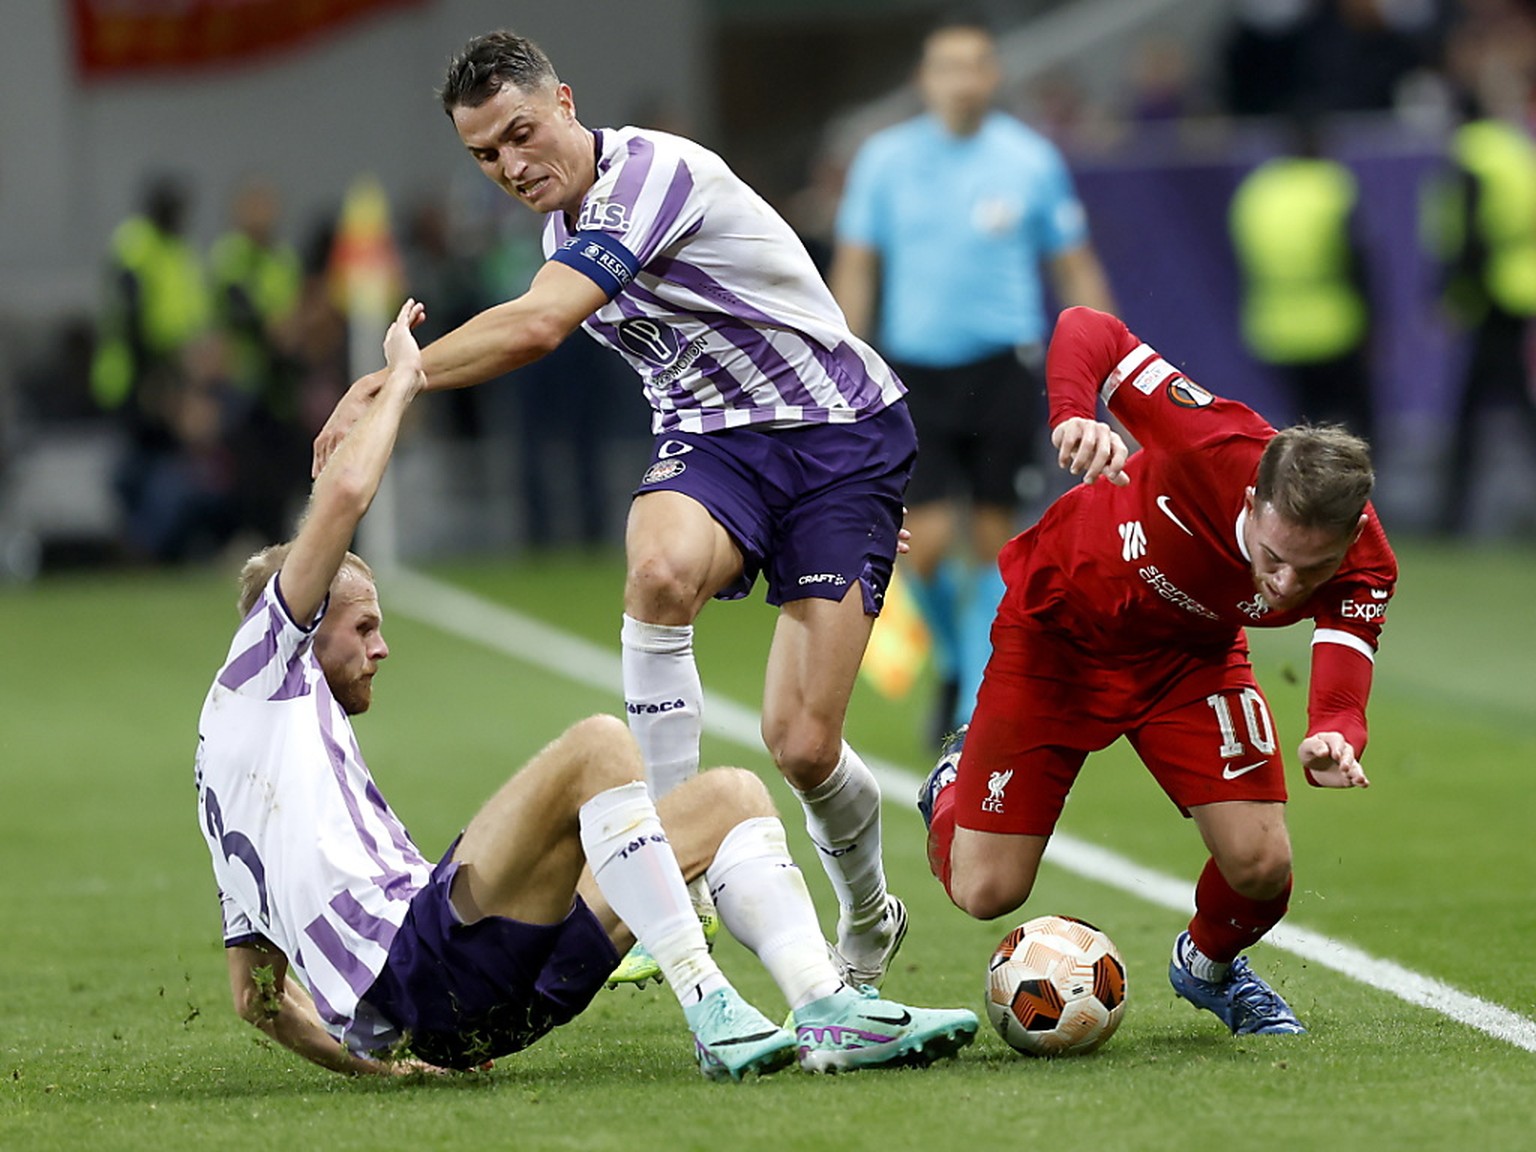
(1090, 449)
(1329, 762)
(401, 352)
(348, 411)
(903, 537)
(405, 1066)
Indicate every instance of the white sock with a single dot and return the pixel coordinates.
(664, 700)
(639, 877)
(1197, 962)
(764, 903)
(842, 815)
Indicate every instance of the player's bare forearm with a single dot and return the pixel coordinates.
(282, 1010)
(853, 276)
(1079, 278)
(513, 334)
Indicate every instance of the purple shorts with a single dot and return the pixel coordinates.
(468, 993)
(816, 508)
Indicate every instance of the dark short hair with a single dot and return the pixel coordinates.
(1316, 476)
(488, 64)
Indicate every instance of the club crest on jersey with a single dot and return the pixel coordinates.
(651, 340)
(1187, 394)
(604, 216)
(663, 470)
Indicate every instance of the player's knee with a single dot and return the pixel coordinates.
(986, 893)
(603, 752)
(658, 591)
(735, 794)
(1262, 873)
(805, 749)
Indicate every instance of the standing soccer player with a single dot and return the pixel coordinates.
(783, 444)
(1124, 616)
(952, 284)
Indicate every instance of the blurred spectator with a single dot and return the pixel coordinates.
(316, 334)
(569, 408)
(1305, 312)
(950, 289)
(1261, 57)
(1358, 54)
(256, 288)
(157, 308)
(1160, 82)
(1482, 224)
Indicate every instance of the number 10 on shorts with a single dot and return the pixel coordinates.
(1256, 719)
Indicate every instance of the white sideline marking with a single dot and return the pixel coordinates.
(505, 630)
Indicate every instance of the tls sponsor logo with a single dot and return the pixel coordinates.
(1363, 610)
(604, 216)
(1133, 541)
(1187, 394)
(995, 786)
(663, 470)
(635, 709)
(837, 580)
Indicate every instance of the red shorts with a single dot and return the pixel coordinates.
(1198, 721)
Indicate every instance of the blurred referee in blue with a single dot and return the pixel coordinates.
(945, 226)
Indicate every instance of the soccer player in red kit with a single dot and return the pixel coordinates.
(1124, 616)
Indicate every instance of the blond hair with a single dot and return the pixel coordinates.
(256, 572)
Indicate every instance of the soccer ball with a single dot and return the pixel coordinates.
(1055, 987)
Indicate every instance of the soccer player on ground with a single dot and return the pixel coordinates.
(1124, 616)
(783, 444)
(520, 923)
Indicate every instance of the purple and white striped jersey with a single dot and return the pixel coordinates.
(711, 296)
(306, 852)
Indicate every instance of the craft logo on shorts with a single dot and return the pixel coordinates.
(1188, 394)
(651, 340)
(663, 470)
(995, 786)
(836, 579)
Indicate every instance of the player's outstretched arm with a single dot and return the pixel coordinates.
(1090, 449)
(346, 487)
(484, 347)
(281, 1008)
(1329, 761)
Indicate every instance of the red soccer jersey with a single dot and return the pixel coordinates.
(1160, 565)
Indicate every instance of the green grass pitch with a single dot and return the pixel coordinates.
(116, 1029)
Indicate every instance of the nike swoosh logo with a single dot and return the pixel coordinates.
(1231, 773)
(1162, 506)
(899, 1021)
(742, 1040)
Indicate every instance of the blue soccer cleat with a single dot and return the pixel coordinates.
(1243, 1001)
(732, 1038)
(943, 774)
(851, 1029)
